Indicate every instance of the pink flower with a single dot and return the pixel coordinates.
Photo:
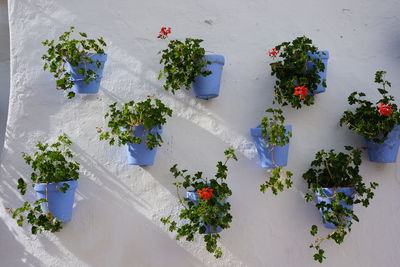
(273, 53)
(300, 91)
(385, 110)
(205, 193)
(164, 32)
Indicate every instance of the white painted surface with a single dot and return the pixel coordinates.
(116, 218)
(4, 69)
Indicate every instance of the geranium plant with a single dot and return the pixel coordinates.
(374, 121)
(150, 113)
(296, 80)
(275, 134)
(334, 180)
(74, 52)
(183, 61)
(209, 211)
(51, 163)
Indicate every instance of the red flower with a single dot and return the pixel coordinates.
(300, 91)
(385, 110)
(164, 32)
(205, 193)
(273, 52)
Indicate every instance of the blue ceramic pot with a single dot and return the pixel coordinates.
(208, 87)
(59, 203)
(322, 74)
(387, 151)
(279, 154)
(139, 154)
(80, 86)
(193, 196)
(329, 192)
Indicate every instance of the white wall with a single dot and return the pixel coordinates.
(116, 218)
(4, 69)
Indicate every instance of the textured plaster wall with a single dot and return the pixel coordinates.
(4, 69)
(116, 217)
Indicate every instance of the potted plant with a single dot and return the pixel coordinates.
(300, 74)
(271, 138)
(138, 126)
(76, 65)
(187, 65)
(54, 178)
(377, 123)
(205, 209)
(336, 185)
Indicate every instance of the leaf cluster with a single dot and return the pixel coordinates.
(183, 62)
(122, 122)
(336, 170)
(213, 212)
(292, 71)
(74, 52)
(366, 119)
(52, 163)
(275, 134)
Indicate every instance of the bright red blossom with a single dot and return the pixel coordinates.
(273, 52)
(385, 110)
(301, 91)
(164, 32)
(205, 193)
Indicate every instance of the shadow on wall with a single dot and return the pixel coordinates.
(4, 69)
(112, 222)
(12, 253)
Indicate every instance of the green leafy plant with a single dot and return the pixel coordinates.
(275, 134)
(122, 122)
(335, 171)
(211, 208)
(51, 163)
(74, 52)
(296, 82)
(183, 62)
(372, 121)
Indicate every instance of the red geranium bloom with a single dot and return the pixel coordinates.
(205, 193)
(301, 91)
(273, 52)
(164, 32)
(385, 110)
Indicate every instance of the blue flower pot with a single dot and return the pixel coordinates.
(208, 87)
(267, 157)
(59, 203)
(387, 151)
(80, 86)
(139, 154)
(322, 74)
(193, 196)
(329, 192)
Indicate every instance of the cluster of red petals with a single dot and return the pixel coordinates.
(385, 110)
(205, 193)
(164, 32)
(273, 52)
(301, 91)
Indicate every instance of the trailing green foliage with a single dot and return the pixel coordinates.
(336, 170)
(275, 134)
(51, 163)
(74, 52)
(368, 120)
(183, 62)
(211, 209)
(122, 122)
(292, 71)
